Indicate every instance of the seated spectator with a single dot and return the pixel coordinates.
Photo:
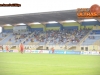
(9, 39)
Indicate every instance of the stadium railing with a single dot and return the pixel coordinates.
(97, 42)
(84, 38)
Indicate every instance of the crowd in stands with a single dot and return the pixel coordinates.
(78, 35)
(91, 37)
(2, 35)
(18, 37)
(58, 37)
(51, 36)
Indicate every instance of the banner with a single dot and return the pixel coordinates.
(63, 52)
(46, 51)
(57, 51)
(19, 28)
(15, 50)
(4, 51)
(27, 51)
(36, 51)
(90, 53)
(11, 51)
(73, 52)
(95, 53)
(32, 51)
(84, 52)
(40, 51)
(1, 50)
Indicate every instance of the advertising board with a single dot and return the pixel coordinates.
(73, 52)
(4, 51)
(1, 51)
(58, 52)
(90, 53)
(15, 50)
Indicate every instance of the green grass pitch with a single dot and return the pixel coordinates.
(48, 64)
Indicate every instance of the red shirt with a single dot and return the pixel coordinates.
(7, 48)
(52, 49)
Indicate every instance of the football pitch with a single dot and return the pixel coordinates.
(48, 64)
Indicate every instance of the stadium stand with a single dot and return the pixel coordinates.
(92, 38)
(2, 35)
(61, 35)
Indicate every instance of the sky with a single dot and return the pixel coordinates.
(34, 6)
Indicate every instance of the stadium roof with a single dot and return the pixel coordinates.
(39, 17)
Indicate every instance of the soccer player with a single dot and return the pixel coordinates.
(7, 49)
(21, 48)
(52, 50)
(2, 48)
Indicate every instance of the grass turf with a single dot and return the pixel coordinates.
(48, 64)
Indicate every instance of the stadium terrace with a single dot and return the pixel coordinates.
(35, 32)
